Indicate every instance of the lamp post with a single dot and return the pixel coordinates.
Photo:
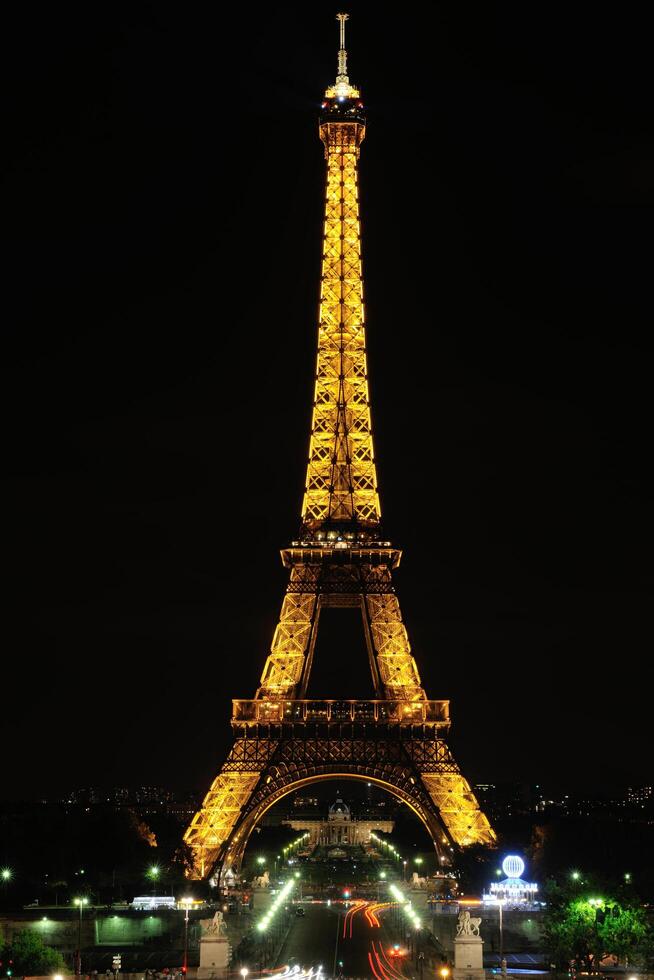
(153, 874)
(500, 903)
(186, 902)
(6, 875)
(404, 871)
(81, 902)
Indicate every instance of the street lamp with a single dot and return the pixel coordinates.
(81, 902)
(153, 874)
(244, 972)
(7, 874)
(186, 902)
(500, 903)
(404, 871)
(418, 860)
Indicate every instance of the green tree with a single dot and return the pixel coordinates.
(30, 956)
(584, 928)
(624, 932)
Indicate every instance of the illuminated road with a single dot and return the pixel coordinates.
(356, 936)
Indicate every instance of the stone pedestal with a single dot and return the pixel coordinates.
(214, 957)
(468, 958)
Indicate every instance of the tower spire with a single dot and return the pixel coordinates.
(341, 87)
(342, 54)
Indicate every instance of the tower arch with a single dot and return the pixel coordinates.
(392, 780)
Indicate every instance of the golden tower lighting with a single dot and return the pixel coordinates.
(340, 559)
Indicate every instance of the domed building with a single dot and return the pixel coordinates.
(340, 827)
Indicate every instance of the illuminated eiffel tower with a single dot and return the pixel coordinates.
(282, 740)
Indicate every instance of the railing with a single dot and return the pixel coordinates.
(300, 712)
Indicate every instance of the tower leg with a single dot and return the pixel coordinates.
(223, 805)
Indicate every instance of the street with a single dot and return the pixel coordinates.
(349, 942)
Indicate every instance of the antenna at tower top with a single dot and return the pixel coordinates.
(341, 89)
(342, 18)
(342, 54)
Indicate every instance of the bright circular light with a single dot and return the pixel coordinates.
(6, 874)
(513, 866)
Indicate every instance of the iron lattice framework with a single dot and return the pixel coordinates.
(282, 740)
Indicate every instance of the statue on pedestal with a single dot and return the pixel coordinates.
(468, 949)
(214, 927)
(468, 926)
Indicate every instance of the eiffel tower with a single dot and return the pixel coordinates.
(282, 740)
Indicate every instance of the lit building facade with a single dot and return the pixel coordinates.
(339, 827)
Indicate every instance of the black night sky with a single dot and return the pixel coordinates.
(162, 204)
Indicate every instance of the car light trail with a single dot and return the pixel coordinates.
(381, 971)
(348, 921)
(392, 969)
